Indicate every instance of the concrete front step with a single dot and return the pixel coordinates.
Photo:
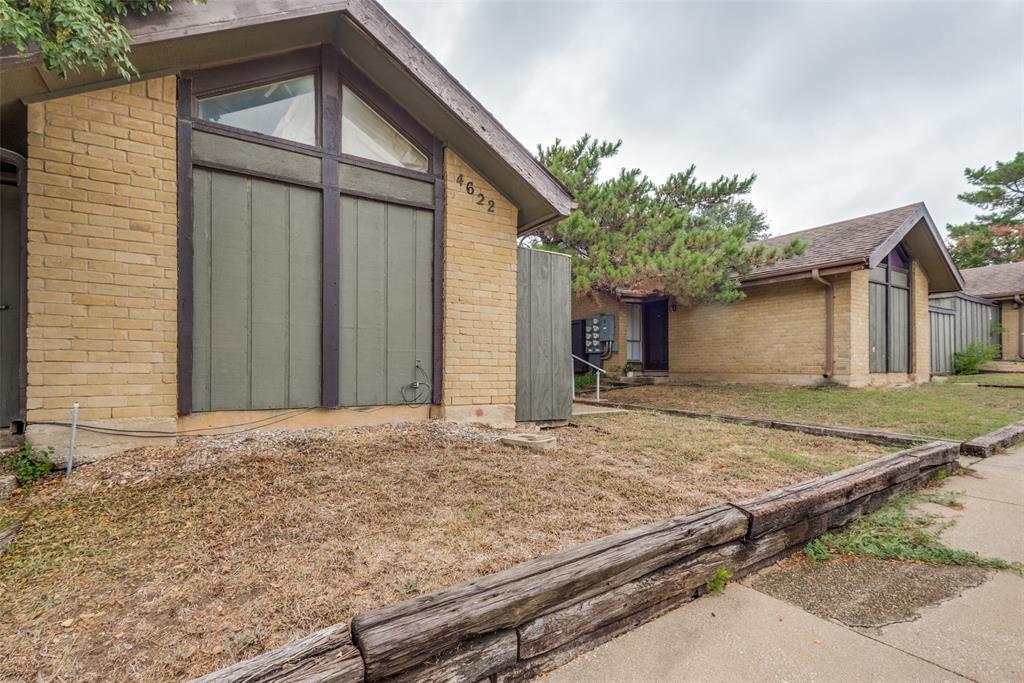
(580, 409)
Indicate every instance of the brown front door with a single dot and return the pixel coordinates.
(656, 335)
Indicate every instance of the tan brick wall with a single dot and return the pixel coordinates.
(921, 352)
(860, 340)
(479, 295)
(587, 305)
(775, 335)
(1011, 337)
(102, 264)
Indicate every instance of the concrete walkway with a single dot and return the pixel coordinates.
(745, 635)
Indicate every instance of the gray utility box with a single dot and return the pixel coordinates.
(598, 334)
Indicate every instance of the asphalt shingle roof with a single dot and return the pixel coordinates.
(846, 240)
(991, 282)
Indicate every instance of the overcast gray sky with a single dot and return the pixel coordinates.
(841, 109)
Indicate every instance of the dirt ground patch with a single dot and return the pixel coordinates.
(863, 591)
(170, 562)
(943, 410)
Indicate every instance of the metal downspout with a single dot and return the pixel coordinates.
(829, 322)
(1020, 325)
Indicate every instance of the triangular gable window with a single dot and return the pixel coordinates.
(364, 133)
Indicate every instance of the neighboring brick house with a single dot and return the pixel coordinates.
(1004, 285)
(852, 310)
(294, 209)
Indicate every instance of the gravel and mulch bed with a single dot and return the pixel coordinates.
(168, 562)
(940, 410)
(866, 592)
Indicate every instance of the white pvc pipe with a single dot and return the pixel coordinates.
(71, 442)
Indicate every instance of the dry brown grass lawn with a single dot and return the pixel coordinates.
(169, 562)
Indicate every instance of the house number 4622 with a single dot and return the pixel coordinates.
(470, 189)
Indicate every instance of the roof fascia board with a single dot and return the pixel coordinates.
(402, 47)
(856, 262)
(190, 19)
(803, 274)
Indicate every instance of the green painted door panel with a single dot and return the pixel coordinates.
(386, 303)
(876, 327)
(256, 282)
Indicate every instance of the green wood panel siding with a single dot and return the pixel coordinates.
(876, 327)
(384, 184)
(10, 296)
(942, 324)
(386, 303)
(543, 337)
(967, 321)
(249, 156)
(899, 331)
(256, 282)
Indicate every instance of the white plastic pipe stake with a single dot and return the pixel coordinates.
(71, 442)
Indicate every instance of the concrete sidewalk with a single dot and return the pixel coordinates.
(746, 635)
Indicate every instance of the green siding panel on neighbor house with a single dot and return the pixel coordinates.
(876, 327)
(386, 303)
(256, 293)
(956, 321)
(543, 337)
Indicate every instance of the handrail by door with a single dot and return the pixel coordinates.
(599, 373)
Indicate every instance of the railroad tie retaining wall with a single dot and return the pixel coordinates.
(986, 445)
(535, 616)
(853, 433)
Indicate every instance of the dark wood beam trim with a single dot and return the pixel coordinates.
(385, 168)
(386, 199)
(436, 381)
(21, 182)
(330, 319)
(228, 168)
(184, 162)
(354, 78)
(239, 76)
(253, 136)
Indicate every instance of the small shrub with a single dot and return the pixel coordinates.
(628, 368)
(973, 356)
(586, 381)
(28, 463)
(718, 582)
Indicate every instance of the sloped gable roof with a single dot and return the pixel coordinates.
(867, 240)
(995, 282)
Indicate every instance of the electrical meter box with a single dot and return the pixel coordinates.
(598, 330)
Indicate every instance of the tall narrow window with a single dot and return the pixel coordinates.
(364, 133)
(285, 109)
(889, 314)
(634, 333)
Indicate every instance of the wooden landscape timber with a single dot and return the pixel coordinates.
(786, 506)
(519, 623)
(874, 436)
(986, 445)
(396, 637)
(327, 655)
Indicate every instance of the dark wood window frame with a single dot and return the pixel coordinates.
(331, 69)
(889, 287)
(20, 165)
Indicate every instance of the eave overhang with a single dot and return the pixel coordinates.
(227, 31)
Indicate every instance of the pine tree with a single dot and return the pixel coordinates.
(996, 236)
(685, 237)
